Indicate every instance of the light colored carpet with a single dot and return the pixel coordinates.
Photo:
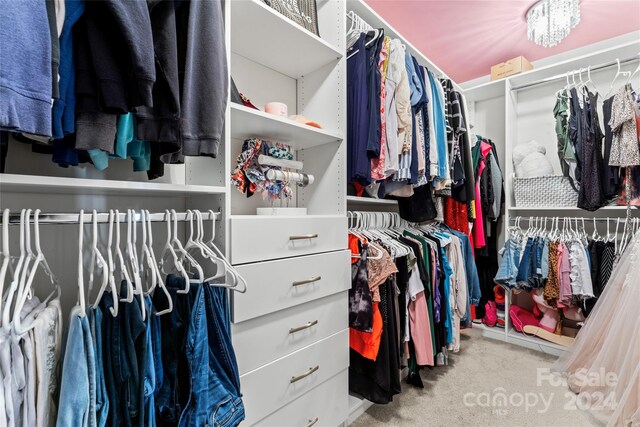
(468, 391)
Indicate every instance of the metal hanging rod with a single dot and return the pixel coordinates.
(102, 217)
(578, 218)
(563, 76)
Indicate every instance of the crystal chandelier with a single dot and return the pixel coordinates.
(550, 21)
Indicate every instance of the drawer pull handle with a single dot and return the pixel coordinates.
(304, 237)
(303, 327)
(305, 375)
(305, 281)
(312, 422)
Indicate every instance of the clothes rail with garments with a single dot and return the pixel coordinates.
(144, 323)
(412, 289)
(556, 269)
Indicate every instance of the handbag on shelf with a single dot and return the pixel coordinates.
(302, 12)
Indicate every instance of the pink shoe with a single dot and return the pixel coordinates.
(550, 317)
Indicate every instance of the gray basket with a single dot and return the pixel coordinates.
(553, 191)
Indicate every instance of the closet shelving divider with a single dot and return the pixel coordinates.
(510, 116)
(290, 329)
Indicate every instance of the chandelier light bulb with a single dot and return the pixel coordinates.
(550, 21)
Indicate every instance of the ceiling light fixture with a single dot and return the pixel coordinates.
(550, 21)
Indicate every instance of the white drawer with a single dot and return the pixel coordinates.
(276, 285)
(255, 238)
(325, 406)
(269, 388)
(276, 335)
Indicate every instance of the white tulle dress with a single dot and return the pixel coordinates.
(603, 364)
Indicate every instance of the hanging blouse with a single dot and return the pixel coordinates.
(624, 148)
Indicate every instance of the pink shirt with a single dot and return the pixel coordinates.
(564, 274)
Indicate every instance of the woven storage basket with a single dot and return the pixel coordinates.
(552, 191)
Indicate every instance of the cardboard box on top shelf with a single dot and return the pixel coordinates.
(508, 68)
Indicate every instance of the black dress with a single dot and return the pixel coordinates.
(591, 196)
(610, 174)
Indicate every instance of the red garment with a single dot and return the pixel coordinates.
(478, 224)
(354, 245)
(455, 215)
(368, 343)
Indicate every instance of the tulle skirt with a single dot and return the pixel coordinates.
(603, 364)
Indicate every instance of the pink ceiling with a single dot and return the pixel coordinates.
(466, 37)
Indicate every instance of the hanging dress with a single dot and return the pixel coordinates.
(608, 342)
(591, 196)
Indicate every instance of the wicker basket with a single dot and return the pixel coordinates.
(544, 192)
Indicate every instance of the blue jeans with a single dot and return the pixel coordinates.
(526, 268)
(214, 397)
(76, 407)
(448, 323)
(96, 323)
(148, 369)
(174, 388)
(508, 270)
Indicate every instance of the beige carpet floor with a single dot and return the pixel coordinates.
(471, 391)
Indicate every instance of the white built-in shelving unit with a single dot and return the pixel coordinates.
(290, 329)
(519, 109)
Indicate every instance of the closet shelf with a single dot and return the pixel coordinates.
(59, 185)
(250, 123)
(263, 35)
(370, 201)
(485, 91)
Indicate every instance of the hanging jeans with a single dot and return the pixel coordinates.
(77, 404)
(214, 399)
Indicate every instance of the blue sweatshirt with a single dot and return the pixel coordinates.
(25, 70)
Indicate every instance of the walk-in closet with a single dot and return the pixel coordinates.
(319, 213)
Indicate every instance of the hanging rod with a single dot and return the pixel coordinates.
(102, 217)
(579, 218)
(562, 76)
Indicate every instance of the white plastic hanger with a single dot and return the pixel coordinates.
(6, 313)
(618, 73)
(183, 253)
(234, 273)
(135, 265)
(146, 256)
(222, 265)
(124, 273)
(196, 245)
(637, 70)
(108, 268)
(168, 249)
(81, 300)
(160, 282)
(130, 253)
(6, 255)
(24, 273)
(96, 256)
(39, 260)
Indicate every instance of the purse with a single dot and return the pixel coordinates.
(302, 12)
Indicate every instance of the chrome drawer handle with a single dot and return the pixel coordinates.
(305, 281)
(312, 422)
(304, 237)
(305, 375)
(303, 327)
